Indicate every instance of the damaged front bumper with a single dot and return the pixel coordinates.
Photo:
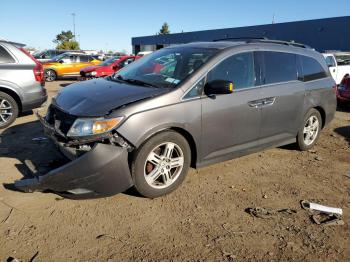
(102, 171)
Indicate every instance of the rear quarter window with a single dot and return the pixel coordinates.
(312, 69)
(5, 57)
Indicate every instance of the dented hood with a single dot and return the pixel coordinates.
(98, 97)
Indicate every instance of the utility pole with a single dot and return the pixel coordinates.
(73, 14)
(273, 19)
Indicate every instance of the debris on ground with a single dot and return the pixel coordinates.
(266, 213)
(8, 216)
(323, 215)
(39, 139)
(327, 219)
(325, 209)
(12, 259)
(34, 256)
(105, 235)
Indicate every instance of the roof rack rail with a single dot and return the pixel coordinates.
(264, 40)
(239, 39)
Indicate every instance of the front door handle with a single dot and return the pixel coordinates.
(262, 102)
(255, 103)
(269, 101)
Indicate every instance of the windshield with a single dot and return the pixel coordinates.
(167, 67)
(343, 59)
(109, 61)
(38, 54)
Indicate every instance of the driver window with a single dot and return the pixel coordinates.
(238, 69)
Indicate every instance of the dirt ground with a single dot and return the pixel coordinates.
(203, 220)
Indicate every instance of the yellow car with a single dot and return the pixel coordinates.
(67, 65)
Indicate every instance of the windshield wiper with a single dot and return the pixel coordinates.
(135, 81)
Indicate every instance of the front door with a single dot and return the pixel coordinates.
(231, 122)
(67, 66)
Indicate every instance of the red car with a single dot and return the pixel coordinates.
(343, 90)
(106, 68)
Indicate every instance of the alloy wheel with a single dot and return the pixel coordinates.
(50, 75)
(163, 165)
(6, 111)
(311, 130)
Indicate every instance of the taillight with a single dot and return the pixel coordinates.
(39, 73)
(335, 88)
(38, 69)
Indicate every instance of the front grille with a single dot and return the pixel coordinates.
(59, 119)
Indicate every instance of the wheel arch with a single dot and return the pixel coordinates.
(186, 134)
(14, 95)
(52, 69)
(191, 142)
(322, 113)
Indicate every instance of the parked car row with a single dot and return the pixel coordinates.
(76, 64)
(67, 65)
(107, 67)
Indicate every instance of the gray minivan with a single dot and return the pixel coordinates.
(22, 82)
(185, 106)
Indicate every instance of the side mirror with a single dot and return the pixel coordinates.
(60, 61)
(218, 87)
(115, 67)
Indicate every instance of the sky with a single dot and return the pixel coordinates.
(110, 25)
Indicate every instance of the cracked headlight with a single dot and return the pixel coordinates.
(93, 126)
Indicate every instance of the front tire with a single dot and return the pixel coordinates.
(50, 75)
(161, 164)
(8, 110)
(310, 130)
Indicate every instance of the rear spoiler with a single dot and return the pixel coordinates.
(18, 45)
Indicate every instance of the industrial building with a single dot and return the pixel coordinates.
(321, 34)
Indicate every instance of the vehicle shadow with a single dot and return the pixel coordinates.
(65, 84)
(344, 131)
(28, 144)
(345, 108)
(36, 153)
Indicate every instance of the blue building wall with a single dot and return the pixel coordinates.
(321, 34)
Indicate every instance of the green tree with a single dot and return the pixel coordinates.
(65, 40)
(165, 29)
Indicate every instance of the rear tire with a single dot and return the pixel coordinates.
(161, 164)
(310, 130)
(50, 75)
(8, 110)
